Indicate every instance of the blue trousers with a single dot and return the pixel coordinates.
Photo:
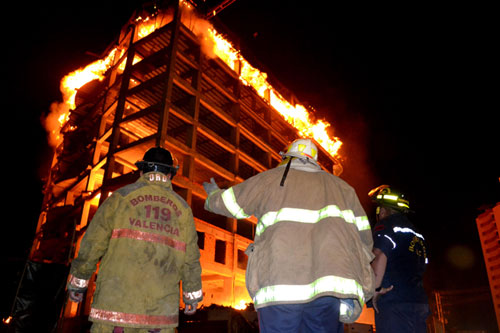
(402, 317)
(318, 316)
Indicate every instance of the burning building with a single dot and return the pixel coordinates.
(170, 79)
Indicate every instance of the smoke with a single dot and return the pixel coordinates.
(349, 124)
(358, 171)
(52, 123)
(201, 28)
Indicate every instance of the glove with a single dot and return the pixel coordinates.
(191, 300)
(190, 309)
(76, 288)
(75, 296)
(210, 187)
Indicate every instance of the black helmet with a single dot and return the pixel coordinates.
(158, 159)
(385, 196)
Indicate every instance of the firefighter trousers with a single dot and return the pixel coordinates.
(318, 316)
(402, 317)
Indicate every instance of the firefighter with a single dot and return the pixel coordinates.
(145, 234)
(309, 265)
(400, 301)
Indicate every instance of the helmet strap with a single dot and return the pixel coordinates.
(146, 167)
(285, 173)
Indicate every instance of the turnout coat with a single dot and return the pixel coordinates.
(312, 239)
(146, 237)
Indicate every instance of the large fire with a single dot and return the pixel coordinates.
(297, 115)
(213, 43)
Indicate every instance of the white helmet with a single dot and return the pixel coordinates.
(302, 149)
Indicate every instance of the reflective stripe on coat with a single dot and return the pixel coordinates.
(312, 239)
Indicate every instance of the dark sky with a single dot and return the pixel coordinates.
(409, 91)
(408, 88)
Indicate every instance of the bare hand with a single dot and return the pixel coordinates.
(377, 295)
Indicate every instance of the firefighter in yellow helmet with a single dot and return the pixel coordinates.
(400, 301)
(145, 234)
(309, 266)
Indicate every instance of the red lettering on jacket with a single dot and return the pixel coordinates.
(153, 226)
(156, 198)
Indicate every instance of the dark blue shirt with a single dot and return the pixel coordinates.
(405, 249)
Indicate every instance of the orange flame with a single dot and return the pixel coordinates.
(212, 42)
(297, 115)
(60, 112)
(241, 305)
(75, 80)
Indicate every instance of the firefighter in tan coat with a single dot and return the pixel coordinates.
(309, 266)
(145, 234)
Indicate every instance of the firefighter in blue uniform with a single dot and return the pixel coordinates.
(400, 301)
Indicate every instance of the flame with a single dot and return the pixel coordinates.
(75, 80)
(7, 320)
(241, 305)
(145, 27)
(297, 115)
(213, 43)
(69, 85)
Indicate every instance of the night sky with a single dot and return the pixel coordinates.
(409, 89)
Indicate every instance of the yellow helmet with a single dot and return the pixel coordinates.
(384, 196)
(302, 149)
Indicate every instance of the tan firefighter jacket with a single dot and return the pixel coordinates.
(147, 239)
(312, 239)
